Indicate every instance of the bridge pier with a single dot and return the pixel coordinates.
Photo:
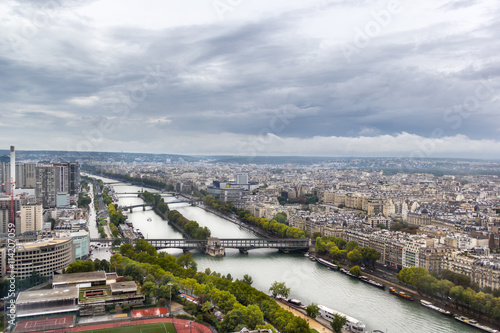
(131, 209)
(143, 207)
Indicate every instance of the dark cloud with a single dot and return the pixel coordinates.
(252, 78)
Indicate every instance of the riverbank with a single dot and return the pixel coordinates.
(412, 291)
(234, 220)
(313, 323)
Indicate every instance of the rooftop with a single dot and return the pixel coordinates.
(40, 243)
(123, 287)
(46, 295)
(75, 278)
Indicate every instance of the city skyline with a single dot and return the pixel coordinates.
(322, 78)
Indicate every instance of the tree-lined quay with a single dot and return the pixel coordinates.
(233, 265)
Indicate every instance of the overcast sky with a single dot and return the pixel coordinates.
(240, 77)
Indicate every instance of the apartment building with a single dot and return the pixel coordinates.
(45, 256)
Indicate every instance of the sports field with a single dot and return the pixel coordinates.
(146, 328)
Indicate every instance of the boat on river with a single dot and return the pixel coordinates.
(374, 283)
(475, 324)
(431, 306)
(352, 324)
(400, 294)
(328, 264)
(346, 272)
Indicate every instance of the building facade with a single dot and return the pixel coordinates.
(45, 256)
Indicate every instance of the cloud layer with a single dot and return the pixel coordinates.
(327, 78)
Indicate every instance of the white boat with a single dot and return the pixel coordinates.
(435, 308)
(475, 324)
(327, 264)
(352, 324)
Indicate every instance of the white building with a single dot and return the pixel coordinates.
(31, 219)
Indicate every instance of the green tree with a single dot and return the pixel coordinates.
(370, 255)
(186, 260)
(247, 279)
(355, 270)
(351, 246)
(280, 217)
(312, 310)
(232, 320)
(253, 316)
(338, 322)
(316, 234)
(355, 256)
(148, 289)
(279, 289)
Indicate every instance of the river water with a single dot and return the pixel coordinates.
(308, 280)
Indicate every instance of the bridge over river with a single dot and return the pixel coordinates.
(242, 244)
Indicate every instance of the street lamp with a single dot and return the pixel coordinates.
(170, 294)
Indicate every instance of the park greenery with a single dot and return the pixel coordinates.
(157, 201)
(105, 197)
(102, 233)
(192, 228)
(341, 250)
(281, 218)
(243, 305)
(142, 181)
(116, 217)
(88, 265)
(461, 292)
(114, 230)
(223, 207)
(271, 226)
(84, 200)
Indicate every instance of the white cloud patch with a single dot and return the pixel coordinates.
(85, 101)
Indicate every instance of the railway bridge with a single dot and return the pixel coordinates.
(242, 244)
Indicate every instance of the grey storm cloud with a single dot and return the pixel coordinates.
(283, 75)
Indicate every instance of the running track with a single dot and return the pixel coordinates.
(181, 325)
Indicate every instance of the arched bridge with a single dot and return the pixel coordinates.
(242, 244)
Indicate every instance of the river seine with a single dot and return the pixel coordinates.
(308, 280)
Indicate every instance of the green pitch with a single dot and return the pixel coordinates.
(146, 328)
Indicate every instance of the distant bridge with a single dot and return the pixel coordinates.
(144, 205)
(131, 207)
(127, 193)
(242, 244)
(139, 192)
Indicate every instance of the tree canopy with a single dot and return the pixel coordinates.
(279, 289)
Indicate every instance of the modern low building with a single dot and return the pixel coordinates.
(90, 279)
(47, 302)
(84, 293)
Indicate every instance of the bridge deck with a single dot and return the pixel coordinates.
(237, 243)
